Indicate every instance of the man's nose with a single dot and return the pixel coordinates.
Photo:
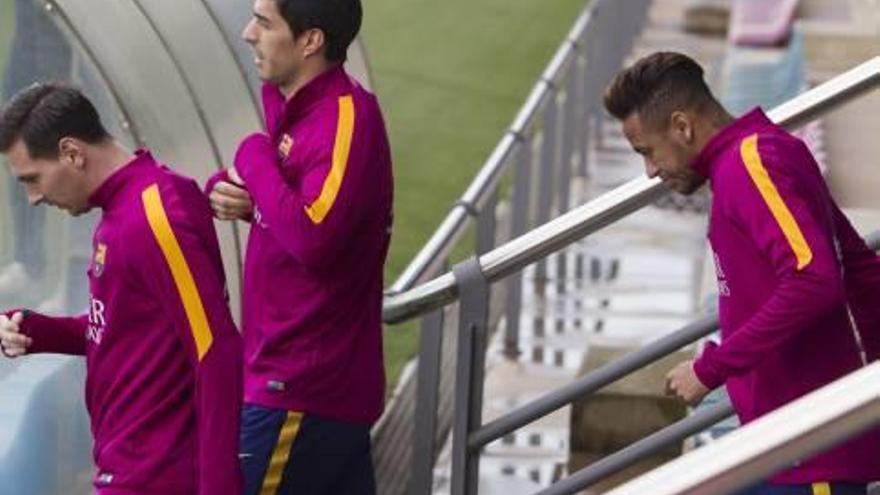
(35, 198)
(247, 34)
(651, 169)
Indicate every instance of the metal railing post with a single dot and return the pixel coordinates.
(569, 113)
(473, 318)
(487, 224)
(579, 134)
(592, 85)
(519, 223)
(546, 169)
(424, 441)
(566, 140)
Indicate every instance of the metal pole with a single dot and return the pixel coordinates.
(592, 382)
(578, 102)
(566, 145)
(565, 164)
(473, 320)
(424, 440)
(487, 224)
(546, 167)
(592, 91)
(519, 224)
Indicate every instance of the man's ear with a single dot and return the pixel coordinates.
(314, 42)
(681, 127)
(71, 151)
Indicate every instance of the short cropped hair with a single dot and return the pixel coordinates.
(43, 114)
(657, 85)
(339, 20)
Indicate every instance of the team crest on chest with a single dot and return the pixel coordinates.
(100, 259)
(285, 146)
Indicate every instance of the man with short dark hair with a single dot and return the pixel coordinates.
(317, 189)
(163, 357)
(796, 283)
(31, 58)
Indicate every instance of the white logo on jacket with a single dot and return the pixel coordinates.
(97, 321)
(258, 218)
(723, 287)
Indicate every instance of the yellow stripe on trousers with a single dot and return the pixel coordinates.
(180, 272)
(821, 489)
(281, 454)
(783, 216)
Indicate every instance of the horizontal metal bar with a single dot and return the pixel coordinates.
(604, 376)
(648, 446)
(593, 381)
(430, 258)
(614, 205)
(529, 247)
(793, 432)
(644, 448)
(450, 230)
(826, 97)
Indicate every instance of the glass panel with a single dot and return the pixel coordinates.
(45, 251)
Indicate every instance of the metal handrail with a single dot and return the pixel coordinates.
(641, 450)
(432, 254)
(645, 447)
(804, 427)
(596, 379)
(614, 205)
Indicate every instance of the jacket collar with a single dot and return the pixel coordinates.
(706, 161)
(108, 193)
(280, 113)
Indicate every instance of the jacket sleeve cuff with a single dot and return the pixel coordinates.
(219, 176)
(58, 335)
(254, 149)
(704, 370)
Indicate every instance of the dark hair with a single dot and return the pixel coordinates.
(44, 113)
(339, 20)
(657, 85)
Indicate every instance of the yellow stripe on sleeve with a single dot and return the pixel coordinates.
(783, 216)
(821, 489)
(183, 278)
(318, 210)
(281, 454)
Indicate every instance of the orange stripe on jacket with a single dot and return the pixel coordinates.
(183, 278)
(771, 196)
(318, 210)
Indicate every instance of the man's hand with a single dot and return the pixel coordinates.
(683, 383)
(229, 200)
(12, 342)
(234, 177)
